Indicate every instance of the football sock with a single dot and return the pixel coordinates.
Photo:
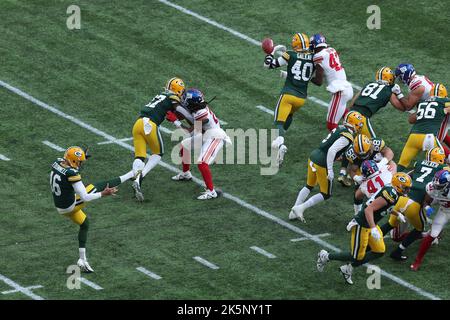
(424, 246)
(315, 199)
(368, 257)
(280, 127)
(357, 204)
(331, 126)
(302, 195)
(446, 150)
(151, 163)
(410, 238)
(185, 159)
(344, 165)
(100, 186)
(288, 122)
(206, 174)
(341, 256)
(447, 140)
(127, 176)
(138, 165)
(82, 253)
(385, 228)
(357, 208)
(82, 234)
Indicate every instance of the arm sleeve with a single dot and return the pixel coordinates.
(81, 191)
(185, 113)
(338, 145)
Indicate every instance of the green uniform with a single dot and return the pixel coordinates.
(156, 109)
(389, 194)
(319, 155)
(377, 145)
(430, 115)
(61, 179)
(300, 69)
(372, 98)
(423, 174)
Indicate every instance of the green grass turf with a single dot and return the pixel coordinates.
(104, 73)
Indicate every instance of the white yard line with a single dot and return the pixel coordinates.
(305, 238)
(110, 141)
(4, 158)
(263, 252)
(28, 288)
(53, 146)
(148, 273)
(90, 284)
(231, 197)
(266, 110)
(17, 287)
(206, 263)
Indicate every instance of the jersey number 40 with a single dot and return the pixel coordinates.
(302, 70)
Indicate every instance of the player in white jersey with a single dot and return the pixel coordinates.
(206, 133)
(437, 192)
(327, 64)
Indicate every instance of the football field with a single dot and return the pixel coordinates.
(61, 87)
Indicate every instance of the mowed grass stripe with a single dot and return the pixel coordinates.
(198, 181)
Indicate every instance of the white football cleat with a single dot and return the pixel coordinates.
(84, 266)
(322, 259)
(183, 176)
(208, 194)
(297, 213)
(347, 271)
(137, 190)
(280, 156)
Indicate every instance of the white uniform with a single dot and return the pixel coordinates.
(338, 85)
(443, 214)
(212, 137)
(418, 81)
(376, 181)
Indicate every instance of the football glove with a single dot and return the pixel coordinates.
(429, 211)
(396, 89)
(358, 179)
(268, 60)
(375, 233)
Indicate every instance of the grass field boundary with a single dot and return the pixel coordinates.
(231, 197)
(18, 288)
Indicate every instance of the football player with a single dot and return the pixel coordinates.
(320, 164)
(438, 192)
(211, 137)
(146, 131)
(300, 69)
(70, 195)
(410, 206)
(327, 64)
(365, 231)
(430, 124)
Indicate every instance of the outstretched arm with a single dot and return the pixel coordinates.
(80, 190)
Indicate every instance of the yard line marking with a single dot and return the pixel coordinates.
(166, 130)
(148, 273)
(237, 34)
(223, 123)
(206, 263)
(29, 288)
(263, 252)
(266, 110)
(17, 287)
(90, 283)
(304, 238)
(53, 146)
(237, 200)
(4, 158)
(110, 141)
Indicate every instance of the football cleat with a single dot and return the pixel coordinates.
(183, 176)
(208, 194)
(347, 270)
(280, 156)
(415, 266)
(137, 187)
(297, 213)
(345, 180)
(322, 259)
(84, 266)
(398, 255)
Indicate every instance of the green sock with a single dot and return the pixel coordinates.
(341, 256)
(280, 127)
(385, 228)
(82, 234)
(368, 257)
(100, 186)
(288, 122)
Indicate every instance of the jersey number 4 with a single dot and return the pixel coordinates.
(334, 61)
(54, 179)
(371, 185)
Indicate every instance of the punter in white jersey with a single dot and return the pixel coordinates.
(374, 177)
(206, 133)
(327, 64)
(437, 192)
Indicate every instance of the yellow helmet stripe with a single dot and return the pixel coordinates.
(302, 40)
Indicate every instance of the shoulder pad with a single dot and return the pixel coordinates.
(390, 195)
(347, 135)
(175, 98)
(286, 56)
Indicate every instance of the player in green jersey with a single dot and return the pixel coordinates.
(300, 69)
(70, 195)
(430, 125)
(146, 131)
(364, 228)
(373, 96)
(320, 164)
(410, 206)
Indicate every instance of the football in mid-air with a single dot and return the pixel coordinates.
(267, 45)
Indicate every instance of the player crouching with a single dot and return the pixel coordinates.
(209, 134)
(364, 228)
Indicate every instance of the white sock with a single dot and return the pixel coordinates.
(127, 176)
(315, 199)
(138, 164)
(82, 253)
(302, 195)
(151, 163)
(278, 142)
(357, 208)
